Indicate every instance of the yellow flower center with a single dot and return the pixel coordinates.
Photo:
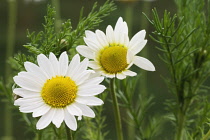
(114, 59)
(59, 91)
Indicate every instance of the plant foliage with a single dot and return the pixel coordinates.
(184, 42)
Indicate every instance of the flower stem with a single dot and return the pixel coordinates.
(116, 111)
(12, 10)
(68, 133)
(56, 4)
(180, 128)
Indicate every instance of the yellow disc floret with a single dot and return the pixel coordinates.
(113, 59)
(59, 91)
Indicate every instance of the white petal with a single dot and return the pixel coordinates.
(117, 36)
(55, 63)
(90, 34)
(119, 25)
(74, 110)
(126, 40)
(131, 64)
(27, 101)
(110, 34)
(94, 74)
(31, 107)
(58, 117)
(45, 65)
(89, 100)
(86, 111)
(130, 56)
(143, 63)
(82, 67)
(80, 118)
(94, 65)
(91, 40)
(138, 37)
(122, 38)
(95, 80)
(85, 51)
(25, 93)
(70, 120)
(92, 44)
(31, 67)
(101, 38)
(120, 76)
(106, 74)
(63, 61)
(73, 66)
(136, 48)
(27, 84)
(125, 28)
(129, 73)
(32, 76)
(82, 77)
(42, 110)
(45, 120)
(90, 90)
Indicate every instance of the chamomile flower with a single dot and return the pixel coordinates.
(57, 91)
(112, 53)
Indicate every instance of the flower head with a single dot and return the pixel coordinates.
(57, 91)
(112, 53)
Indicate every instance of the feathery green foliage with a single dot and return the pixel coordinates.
(66, 39)
(137, 105)
(184, 43)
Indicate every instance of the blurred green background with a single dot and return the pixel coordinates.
(29, 14)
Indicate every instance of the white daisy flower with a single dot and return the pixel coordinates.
(112, 53)
(58, 91)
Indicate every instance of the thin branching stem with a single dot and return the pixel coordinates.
(181, 114)
(116, 110)
(172, 65)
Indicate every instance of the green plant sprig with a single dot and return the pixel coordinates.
(187, 61)
(67, 38)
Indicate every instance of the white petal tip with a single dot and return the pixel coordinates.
(149, 69)
(79, 118)
(102, 103)
(39, 128)
(144, 63)
(152, 69)
(143, 30)
(73, 129)
(57, 126)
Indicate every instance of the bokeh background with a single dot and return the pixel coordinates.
(29, 14)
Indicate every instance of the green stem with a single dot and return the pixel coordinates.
(129, 19)
(68, 133)
(180, 127)
(38, 135)
(116, 110)
(12, 4)
(56, 4)
(206, 136)
(180, 100)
